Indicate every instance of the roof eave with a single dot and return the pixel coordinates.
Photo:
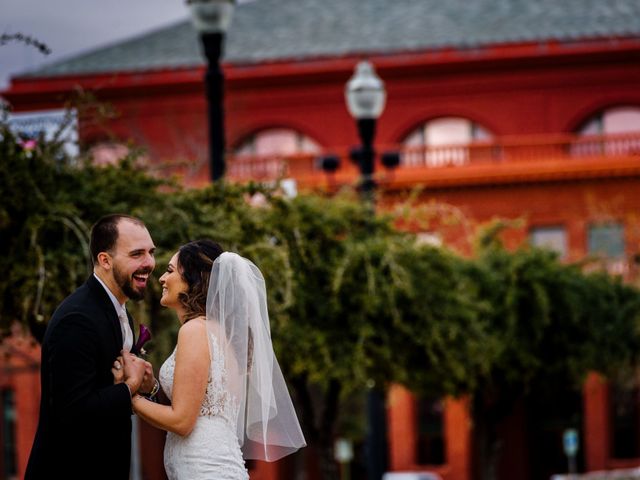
(26, 91)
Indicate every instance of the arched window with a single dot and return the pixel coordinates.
(443, 141)
(108, 153)
(276, 141)
(260, 156)
(614, 131)
(612, 121)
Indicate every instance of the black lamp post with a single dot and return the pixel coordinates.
(211, 19)
(366, 96)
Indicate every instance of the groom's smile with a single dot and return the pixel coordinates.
(140, 278)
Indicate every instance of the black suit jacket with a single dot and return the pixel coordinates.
(84, 429)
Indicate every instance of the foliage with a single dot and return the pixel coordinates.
(27, 40)
(553, 322)
(48, 206)
(352, 299)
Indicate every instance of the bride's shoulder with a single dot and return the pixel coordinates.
(194, 327)
(192, 345)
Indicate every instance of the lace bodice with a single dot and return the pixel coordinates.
(217, 400)
(212, 449)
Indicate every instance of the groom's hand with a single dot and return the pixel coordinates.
(134, 369)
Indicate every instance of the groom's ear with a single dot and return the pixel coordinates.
(105, 260)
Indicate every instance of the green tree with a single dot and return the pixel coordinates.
(551, 324)
(360, 301)
(49, 203)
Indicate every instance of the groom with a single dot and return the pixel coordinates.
(84, 429)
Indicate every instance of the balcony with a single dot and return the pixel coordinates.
(502, 160)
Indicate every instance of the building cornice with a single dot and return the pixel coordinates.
(27, 93)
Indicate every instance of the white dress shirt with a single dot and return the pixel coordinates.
(121, 311)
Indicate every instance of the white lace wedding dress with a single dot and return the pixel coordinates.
(211, 451)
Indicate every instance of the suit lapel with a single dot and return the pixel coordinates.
(107, 306)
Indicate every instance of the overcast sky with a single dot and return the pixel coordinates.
(71, 26)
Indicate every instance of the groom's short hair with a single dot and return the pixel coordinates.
(104, 233)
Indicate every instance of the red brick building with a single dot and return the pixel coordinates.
(519, 109)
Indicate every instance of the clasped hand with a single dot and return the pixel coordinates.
(136, 372)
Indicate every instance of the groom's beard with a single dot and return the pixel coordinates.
(126, 283)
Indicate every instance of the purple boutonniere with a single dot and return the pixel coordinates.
(144, 337)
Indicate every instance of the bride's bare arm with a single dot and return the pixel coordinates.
(189, 383)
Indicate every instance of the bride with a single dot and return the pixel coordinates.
(228, 395)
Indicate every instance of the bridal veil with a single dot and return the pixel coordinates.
(237, 318)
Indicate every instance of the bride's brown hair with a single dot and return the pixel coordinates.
(195, 260)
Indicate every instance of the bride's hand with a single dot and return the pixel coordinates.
(117, 371)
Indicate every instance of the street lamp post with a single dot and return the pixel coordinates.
(366, 96)
(211, 19)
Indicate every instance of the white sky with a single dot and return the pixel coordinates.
(72, 26)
